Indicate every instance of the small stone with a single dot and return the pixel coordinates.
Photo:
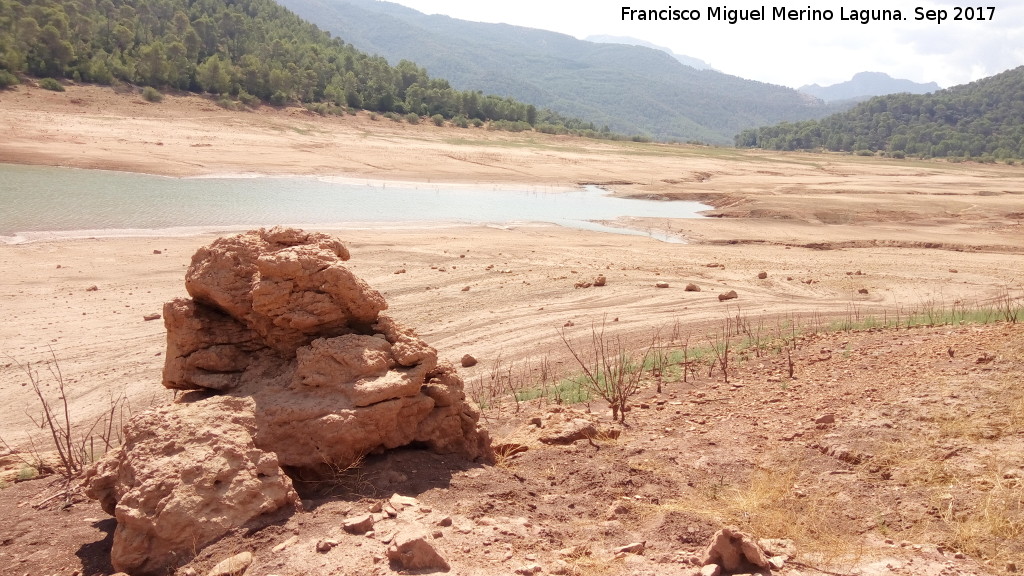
(777, 562)
(570, 432)
(825, 419)
(285, 544)
(862, 291)
(600, 280)
(730, 295)
(634, 548)
(762, 275)
(468, 361)
(153, 316)
(529, 569)
(157, 252)
(412, 551)
(446, 521)
(733, 551)
(960, 556)
(953, 270)
(1011, 566)
(465, 288)
(398, 501)
(691, 287)
(661, 285)
(358, 524)
(92, 288)
(324, 546)
(233, 566)
(711, 570)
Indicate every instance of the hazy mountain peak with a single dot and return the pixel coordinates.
(630, 41)
(864, 85)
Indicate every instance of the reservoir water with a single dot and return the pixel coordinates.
(45, 202)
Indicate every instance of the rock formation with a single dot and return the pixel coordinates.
(290, 366)
(733, 551)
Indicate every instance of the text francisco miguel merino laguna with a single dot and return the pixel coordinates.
(732, 15)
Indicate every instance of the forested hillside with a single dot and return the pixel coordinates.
(631, 89)
(250, 50)
(983, 120)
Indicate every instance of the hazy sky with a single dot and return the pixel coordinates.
(787, 53)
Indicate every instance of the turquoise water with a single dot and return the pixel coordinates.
(38, 202)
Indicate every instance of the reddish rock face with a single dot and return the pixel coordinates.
(287, 285)
(296, 367)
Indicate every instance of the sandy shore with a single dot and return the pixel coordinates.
(917, 232)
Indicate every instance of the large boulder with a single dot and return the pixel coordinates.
(287, 285)
(186, 474)
(291, 365)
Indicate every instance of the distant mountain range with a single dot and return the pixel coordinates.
(631, 89)
(686, 60)
(866, 85)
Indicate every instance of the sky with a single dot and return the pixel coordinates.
(787, 52)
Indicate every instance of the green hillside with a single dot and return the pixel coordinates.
(983, 120)
(631, 89)
(249, 50)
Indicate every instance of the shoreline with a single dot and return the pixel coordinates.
(55, 236)
(600, 227)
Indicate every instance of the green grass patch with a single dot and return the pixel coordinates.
(567, 391)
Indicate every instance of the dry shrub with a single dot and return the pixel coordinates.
(71, 445)
(611, 371)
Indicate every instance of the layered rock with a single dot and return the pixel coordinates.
(185, 475)
(296, 367)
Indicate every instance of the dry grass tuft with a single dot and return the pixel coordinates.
(969, 461)
(773, 503)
